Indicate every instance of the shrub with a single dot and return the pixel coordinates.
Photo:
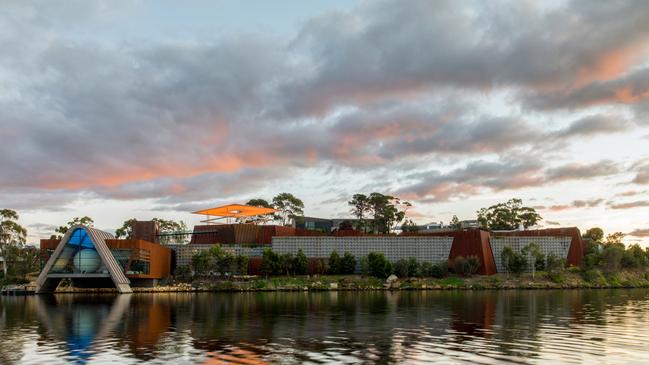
(301, 263)
(594, 276)
(183, 273)
(321, 266)
(466, 266)
(611, 258)
(401, 268)
(634, 257)
(242, 264)
(514, 262)
(591, 256)
(348, 264)
(554, 264)
(201, 262)
(335, 263)
(365, 266)
(378, 265)
(538, 259)
(270, 264)
(439, 270)
(413, 266)
(286, 262)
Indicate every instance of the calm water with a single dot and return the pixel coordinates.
(587, 326)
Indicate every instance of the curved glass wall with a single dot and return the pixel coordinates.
(79, 256)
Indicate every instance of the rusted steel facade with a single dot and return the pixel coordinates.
(158, 257)
(470, 242)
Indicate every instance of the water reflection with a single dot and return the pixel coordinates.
(255, 328)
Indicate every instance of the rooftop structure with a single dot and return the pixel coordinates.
(234, 211)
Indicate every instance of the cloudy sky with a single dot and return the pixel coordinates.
(156, 108)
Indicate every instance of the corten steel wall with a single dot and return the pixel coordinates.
(244, 233)
(577, 246)
(47, 247)
(159, 256)
(146, 230)
(470, 242)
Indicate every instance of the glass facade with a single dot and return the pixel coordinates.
(134, 261)
(79, 256)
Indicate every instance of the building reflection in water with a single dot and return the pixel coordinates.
(255, 328)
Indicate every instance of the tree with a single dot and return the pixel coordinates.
(508, 216)
(12, 235)
(409, 226)
(514, 262)
(538, 258)
(126, 230)
(345, 226)
(360, 204)
(455, 223)
(595, 235)
(348, 263)
(258, 202)
(289, 207)
(335, 263)
(301, 263)
(378, 266)
(385, 212)
(76, 221)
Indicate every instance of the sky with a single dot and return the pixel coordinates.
(142, 109)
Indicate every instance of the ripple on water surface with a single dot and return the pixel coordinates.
(482, 327)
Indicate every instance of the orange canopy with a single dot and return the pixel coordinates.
(236, 211)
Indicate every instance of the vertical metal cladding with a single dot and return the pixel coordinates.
(431, 249)
(470, 242)
(558, 246)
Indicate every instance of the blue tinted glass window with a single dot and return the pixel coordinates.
(81, 238)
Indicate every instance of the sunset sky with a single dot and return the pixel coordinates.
(157, 108)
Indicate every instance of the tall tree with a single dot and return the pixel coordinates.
(289, 207)
(361, 209)
(62, 230)
(455, 223)
(595, 235)
(258, 202)
(387, 211)
(508, 216)
(12, 235)
(126, 230)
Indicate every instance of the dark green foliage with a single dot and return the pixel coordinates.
(634, 257)
(514, 262)
(242, 264)
(201, 263)
(534, 251)
(378, 265)
(592, 255)
(270, 264)
(594, 276)
(348, 264)
(335, 263)
(183, 273)
(594, 235)
(466, 266)
(365, 266)
(554, 264)
(438, 270)
(507, 216)
(406, 267)
(321, 267)
(385, 211)
(611, 257)
(289, 206)
(286, 262)
(301, 263)
(401, 268)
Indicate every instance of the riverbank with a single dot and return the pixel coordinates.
(569, 279)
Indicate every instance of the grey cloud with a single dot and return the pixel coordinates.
(642, 173)
(629, 205)
(506, 174)
(639, 233)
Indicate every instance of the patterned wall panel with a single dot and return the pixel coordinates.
(184, 253)
(556, 245)
(431, 249)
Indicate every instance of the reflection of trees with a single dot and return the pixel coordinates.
(281, 326)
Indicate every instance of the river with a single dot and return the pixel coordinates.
(487, 327)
